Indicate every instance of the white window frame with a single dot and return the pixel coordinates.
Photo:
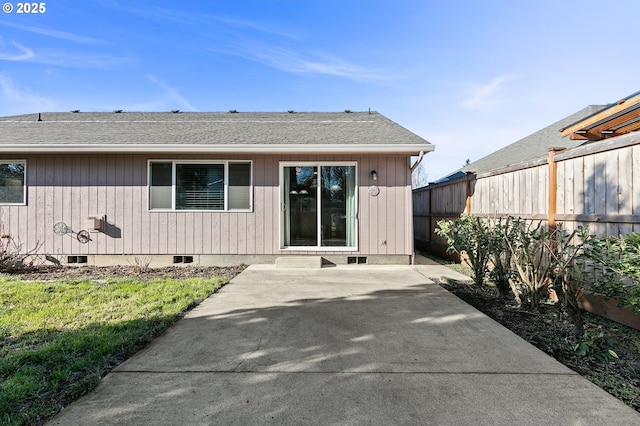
(174, 163)
(24, 182)
(282, 218)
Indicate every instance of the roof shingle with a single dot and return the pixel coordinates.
(63, 131)
(533, 146)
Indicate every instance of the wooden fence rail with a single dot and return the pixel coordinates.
(597, 185)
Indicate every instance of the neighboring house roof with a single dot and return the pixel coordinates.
(172, 132)
(529, 148)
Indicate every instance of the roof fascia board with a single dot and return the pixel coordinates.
(413, 149)
(622, 141)
(601, 115)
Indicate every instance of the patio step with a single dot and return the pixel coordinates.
(307, 262)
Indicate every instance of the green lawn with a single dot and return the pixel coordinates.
(57, 339)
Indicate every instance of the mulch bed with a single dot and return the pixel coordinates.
(49, 273)
(549, 330)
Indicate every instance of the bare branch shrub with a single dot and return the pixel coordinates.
(12, 255)
(140, 264)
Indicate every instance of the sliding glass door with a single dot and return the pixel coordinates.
(319, 208)
(301, 205)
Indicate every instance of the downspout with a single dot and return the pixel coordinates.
(418, 161)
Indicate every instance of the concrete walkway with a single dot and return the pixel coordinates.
(344, 345)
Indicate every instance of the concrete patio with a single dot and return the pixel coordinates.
(342, 345)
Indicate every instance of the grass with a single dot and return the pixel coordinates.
(57, 339)
(462, 268)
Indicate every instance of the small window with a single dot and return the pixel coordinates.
(239, 186)
(161, 185)
(12, 182)
(199, 186)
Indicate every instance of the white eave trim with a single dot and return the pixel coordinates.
(412, 149)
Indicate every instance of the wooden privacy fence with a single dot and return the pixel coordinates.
(597, 185)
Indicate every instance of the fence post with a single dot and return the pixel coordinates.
(552, 189)
(467, 206)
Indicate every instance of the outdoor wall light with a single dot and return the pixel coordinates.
(374, 175)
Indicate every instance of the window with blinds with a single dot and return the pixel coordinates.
(200, 186)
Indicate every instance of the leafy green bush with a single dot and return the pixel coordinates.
(533, 262)
(519, 256)
(501, 272)
(613, 265)
(470, 237)
(595, 346)
(531, 248)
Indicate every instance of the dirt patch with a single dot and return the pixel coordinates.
(551, 331)
(50, 273)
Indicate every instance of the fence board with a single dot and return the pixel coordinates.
(579, 178)
(598, 186)
(635, 179)
(561, 190)
(625, 181)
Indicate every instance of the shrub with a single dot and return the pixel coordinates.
(596, 346)
(520, 257)
(501, 272)
(544, 261)
(140, 264)
(470, 237)
(613, 266)
(566, 274)
(12, 255)
(529, 246)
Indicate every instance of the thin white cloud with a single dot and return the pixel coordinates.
(21, 99)
(324, 64)
(265, 44)
(209, 23)
(296, 63)
(484, 96)
(79, 60)
(15, 54)
(173, 94)
(55, 33)
(256, 26)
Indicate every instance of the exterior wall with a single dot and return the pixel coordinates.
(71, 188)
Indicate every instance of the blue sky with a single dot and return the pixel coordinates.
(469, 76)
